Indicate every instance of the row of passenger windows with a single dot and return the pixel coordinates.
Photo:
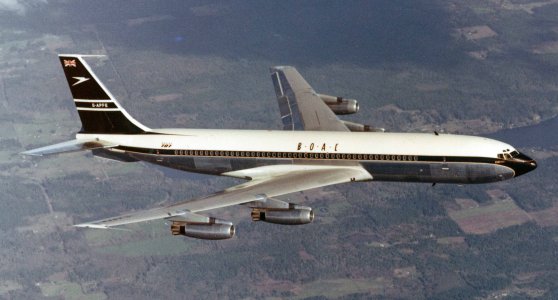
(296, 155)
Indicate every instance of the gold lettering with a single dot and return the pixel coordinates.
(299, 146)
(336, 147)
(311, 146)
(324, 147)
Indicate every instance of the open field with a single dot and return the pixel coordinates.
(477, 32)
(337, 288)
(8, 286)
(488, 218)
(68, 290)
(547, 217)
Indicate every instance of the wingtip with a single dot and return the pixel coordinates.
(30, 153)
(89, 225)
(279, 68)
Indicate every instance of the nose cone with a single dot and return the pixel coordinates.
(522, 164)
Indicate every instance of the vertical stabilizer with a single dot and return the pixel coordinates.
(98, 109)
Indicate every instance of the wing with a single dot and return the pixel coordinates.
(268, 181)
(300, 106)
(70, 146)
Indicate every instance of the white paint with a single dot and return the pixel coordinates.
(288, 141)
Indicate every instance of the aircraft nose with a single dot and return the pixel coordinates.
(523, 164)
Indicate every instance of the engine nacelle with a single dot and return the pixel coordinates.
(361, 127)
(339, 105)
(297, 216)
(203, 231)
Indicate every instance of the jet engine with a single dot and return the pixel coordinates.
(361, 127)
(340, 105)
(203, 231)
(291, 216)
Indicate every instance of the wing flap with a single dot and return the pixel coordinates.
(69, 146)
(281, 183)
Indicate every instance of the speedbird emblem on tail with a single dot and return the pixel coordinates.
(314, 149)
(79, 80)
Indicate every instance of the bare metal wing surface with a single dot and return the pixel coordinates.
(300, 106)
(269, 181)
(70, 146)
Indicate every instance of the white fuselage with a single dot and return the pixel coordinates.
(311, 141)
(410, 157)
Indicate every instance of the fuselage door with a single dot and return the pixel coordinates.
(445, 166)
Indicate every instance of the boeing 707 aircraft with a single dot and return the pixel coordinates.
(314, 149)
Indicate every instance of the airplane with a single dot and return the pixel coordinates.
(315, 149)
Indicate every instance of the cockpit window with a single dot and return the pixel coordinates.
(508, 155)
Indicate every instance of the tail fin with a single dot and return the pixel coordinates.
(98, 110)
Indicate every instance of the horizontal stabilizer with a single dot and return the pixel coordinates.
(69, 146)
